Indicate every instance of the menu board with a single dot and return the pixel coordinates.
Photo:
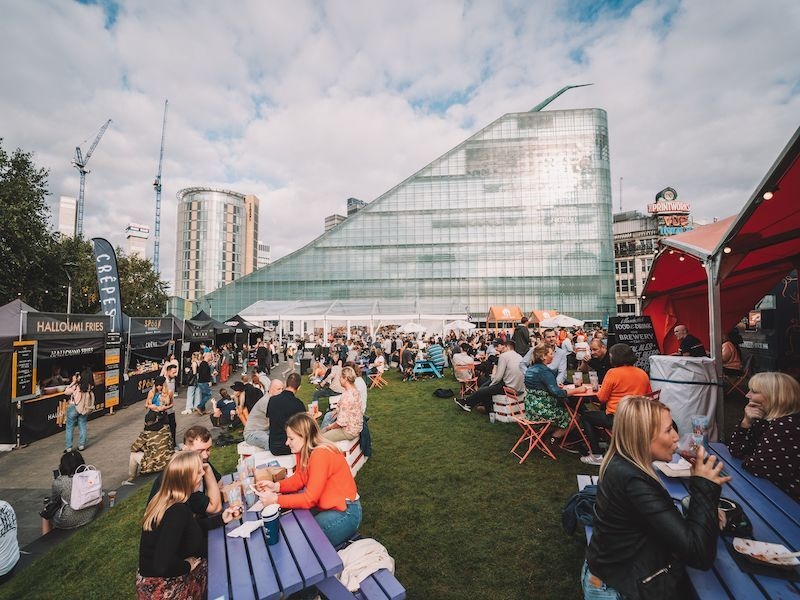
(112, 362)
(23, 381)
(639, 334)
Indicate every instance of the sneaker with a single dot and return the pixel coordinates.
(81, 448)
(66, 450)
(592, 459)
(461, 405)
(186, 412)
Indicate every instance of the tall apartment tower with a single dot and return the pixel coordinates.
(67, 209)
(217, 239)
(264, 255)
(137, 239)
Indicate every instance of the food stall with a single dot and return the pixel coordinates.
(66, 344)
(150, 341)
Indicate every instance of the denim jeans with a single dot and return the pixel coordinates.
(72, 415)
(205, 394)
(192, 397)
(594, 588)
(339, 526)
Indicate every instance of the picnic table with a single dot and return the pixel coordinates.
(422, 367)
(249, 568)
(775, 517)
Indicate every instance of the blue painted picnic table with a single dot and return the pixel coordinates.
(248, 568)
(775, 517)
(421, 367)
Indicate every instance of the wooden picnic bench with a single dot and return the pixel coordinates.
(775, 517)
(249, 568)
(421, 367)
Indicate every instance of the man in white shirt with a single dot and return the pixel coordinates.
(559, 364)
(506, 374)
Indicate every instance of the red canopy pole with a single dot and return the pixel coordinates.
(712, 267)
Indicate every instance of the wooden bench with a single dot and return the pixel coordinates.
(381, 585)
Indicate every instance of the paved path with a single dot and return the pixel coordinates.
(26, 473)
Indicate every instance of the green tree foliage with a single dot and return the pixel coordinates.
(38, 265)
(143, 293)
(25, 238)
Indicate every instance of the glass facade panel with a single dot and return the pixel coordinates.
(519, 213)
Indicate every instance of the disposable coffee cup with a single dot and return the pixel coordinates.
(269, 521)
(492, 417)
(112, 498)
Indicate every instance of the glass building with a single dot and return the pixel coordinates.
(217, 239)
(518, 214)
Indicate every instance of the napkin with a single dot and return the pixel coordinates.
(245, 530)
(257, 507)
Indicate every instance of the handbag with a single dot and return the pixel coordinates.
(87, 488)
(52, 506)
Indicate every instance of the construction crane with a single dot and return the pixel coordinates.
(79, 162)
(157, 186)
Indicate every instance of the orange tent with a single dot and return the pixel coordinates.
(503, 314)
(537, 316)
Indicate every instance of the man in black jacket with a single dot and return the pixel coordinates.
(522, 337)
(281, 407)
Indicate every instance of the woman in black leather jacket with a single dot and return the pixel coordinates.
(640, 540)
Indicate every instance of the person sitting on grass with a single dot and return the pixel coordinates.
(544, 398)
(152, 449)
(173, 549)
(348, 416)
(66, 517)
(223, 413)
(623, 379)
(768, 436)
(322, 481)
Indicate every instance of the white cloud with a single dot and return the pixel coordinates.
(307, 103)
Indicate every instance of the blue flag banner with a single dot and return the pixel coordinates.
(105, 261)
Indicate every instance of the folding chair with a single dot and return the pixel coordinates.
(738, 383)
(377, 380)
(533, 432)
(465, 375)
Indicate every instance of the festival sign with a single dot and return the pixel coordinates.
(639, 334)
(23, 368)
(52, 326)
(112, 363)
(673, 216)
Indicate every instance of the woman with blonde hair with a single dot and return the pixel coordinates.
(322, 481)
(640, 540)
(348, 418)
(768, 436)
(172, 549)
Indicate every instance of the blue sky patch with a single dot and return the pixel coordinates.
(110, 8)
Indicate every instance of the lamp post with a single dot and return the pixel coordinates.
(69, 285)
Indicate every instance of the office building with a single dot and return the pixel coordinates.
(354, 205)
(332, 221)
(263, 255)
(217, 239)
(136, 236)
(517, 214)
(67, 211)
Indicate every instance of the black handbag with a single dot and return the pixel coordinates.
(51, 507)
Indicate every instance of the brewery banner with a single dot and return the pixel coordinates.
(108, 281)
(53, 326)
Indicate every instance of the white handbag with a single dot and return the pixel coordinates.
(87, 488)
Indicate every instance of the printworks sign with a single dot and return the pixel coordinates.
(52, 326)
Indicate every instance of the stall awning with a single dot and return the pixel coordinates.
(749, 252)
(242, 326)
(504, 314)
(537, 316)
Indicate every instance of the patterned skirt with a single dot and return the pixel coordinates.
(190, 586)
(541, 406)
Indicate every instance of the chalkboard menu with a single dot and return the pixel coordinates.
(639, 334)
(23, 382)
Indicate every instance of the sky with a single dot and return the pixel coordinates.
(306, 103)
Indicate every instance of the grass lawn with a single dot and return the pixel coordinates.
(457, 512)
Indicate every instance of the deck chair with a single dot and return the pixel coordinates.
(465, 375)
(533, 432)
(738, 383)
(377, 380)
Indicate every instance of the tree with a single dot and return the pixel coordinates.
(25, 238)
(143, 292)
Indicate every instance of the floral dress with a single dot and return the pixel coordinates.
(543, 397)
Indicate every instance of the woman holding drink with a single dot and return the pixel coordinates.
(640, 540)
(172, 549)
(768, 435)
(322, 481)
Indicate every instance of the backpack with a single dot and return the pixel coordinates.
(87, 488)
(443, 393)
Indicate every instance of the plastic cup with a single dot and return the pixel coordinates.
(700, 426)
(492, 417)
(577, 378)
(311, 408)
(269, 520)
(235, 496)
(316, 405)
(112, 498)
(594, 380)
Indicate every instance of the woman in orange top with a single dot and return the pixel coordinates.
(623, 379)
(321, 482)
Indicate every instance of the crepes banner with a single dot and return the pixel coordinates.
(105, 262)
